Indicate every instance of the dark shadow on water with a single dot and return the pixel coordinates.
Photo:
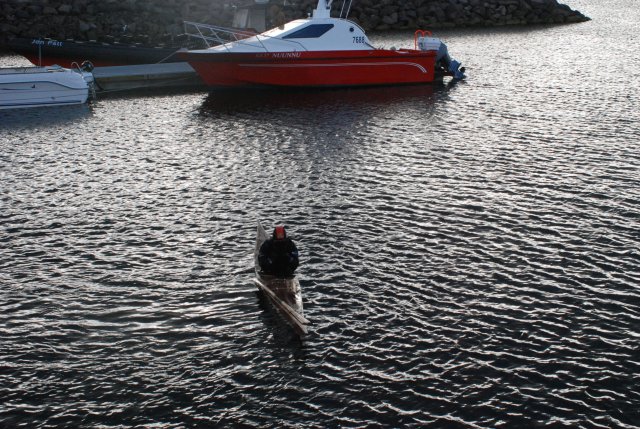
(148, 92)
(270, 101)
(37, 117)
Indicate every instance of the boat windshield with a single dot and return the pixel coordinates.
(279, 31)
(312, 31)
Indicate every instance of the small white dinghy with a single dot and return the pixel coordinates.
(43, 86)
(283, 293)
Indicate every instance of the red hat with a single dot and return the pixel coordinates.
(279, 233)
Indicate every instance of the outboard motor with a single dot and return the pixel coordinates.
(425, 42)
(86, 66)
(86, 69)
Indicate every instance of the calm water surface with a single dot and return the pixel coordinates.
(470, 252)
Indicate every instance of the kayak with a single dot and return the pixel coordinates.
(284, 293)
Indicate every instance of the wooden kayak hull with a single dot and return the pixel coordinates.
(284, 294)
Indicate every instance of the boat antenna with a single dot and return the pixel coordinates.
(348, 9)
(344, 3)
(323, 10)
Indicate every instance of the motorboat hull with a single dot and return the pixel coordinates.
(284, 294)
(42, 86)
(320, 51)
(313, 68)
(47, 52)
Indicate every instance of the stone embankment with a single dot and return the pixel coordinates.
(157, 21)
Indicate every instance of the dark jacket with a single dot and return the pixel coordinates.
(278, 257)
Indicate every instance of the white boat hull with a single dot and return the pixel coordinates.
(43, 86)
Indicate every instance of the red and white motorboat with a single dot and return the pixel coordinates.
(320, 51)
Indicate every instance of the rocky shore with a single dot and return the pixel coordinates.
(158, 21)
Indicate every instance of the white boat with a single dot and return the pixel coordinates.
(283, 293)
(43, 86)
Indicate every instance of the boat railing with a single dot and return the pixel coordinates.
(30, 69)
(213, 35)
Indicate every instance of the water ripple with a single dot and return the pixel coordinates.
(469, 251)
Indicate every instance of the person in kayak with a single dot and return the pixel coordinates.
(278, 255)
